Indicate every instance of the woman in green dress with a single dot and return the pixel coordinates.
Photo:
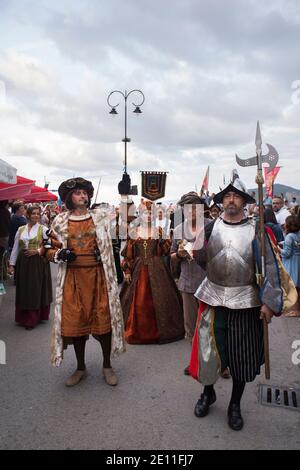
(33, 276)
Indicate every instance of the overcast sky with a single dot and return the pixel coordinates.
(208, 69)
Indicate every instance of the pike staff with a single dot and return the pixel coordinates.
(271, 158)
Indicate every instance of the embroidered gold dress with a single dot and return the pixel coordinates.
(151, 303)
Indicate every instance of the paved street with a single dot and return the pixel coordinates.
(151, 408)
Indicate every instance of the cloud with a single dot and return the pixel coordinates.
(208, 70)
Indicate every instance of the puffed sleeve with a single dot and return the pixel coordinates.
(15, 250)
(287, 250)
(52, 246)
(128, 254)
(174, 245)
(164, 243)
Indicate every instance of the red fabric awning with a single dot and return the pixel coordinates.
(38, 194)
(22, 187)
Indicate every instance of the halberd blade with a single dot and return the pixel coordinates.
(247, 162)
(258, 141)
(271, 157)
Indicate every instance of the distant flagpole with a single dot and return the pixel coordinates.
(204, 186)
(98, 190)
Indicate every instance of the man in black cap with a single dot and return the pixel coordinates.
(229, 329)
(87, 299)
(189, 273)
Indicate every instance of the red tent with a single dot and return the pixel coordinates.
(22, 187)
(38, 194)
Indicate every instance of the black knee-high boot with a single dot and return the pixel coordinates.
(208, 390)
(207, 398)
(237, 392)
(105, 341)
(79, 347)
(235, 419)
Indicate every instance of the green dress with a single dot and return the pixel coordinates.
(33, 283)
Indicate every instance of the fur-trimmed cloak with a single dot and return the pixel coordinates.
(59, 231)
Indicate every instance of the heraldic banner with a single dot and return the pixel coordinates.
(153, 184)
(270, 178)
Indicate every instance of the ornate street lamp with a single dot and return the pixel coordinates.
(125, 184)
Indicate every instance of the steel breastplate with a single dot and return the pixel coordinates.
(230, 277)
(230, 256)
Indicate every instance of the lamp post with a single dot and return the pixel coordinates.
(137, 111)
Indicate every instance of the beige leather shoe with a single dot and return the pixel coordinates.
(75, 378)
(110, 376)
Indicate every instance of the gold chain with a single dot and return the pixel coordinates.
(145, 244)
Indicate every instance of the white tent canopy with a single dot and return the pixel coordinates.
(8, 174)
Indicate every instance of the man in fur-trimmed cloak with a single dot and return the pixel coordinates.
(87, 299)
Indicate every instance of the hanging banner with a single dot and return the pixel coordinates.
(153, 184)
(270, 177)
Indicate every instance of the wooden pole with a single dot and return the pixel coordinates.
(260, 182)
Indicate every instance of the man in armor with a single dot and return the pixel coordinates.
(229, 331)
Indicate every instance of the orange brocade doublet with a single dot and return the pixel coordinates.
(85, 308)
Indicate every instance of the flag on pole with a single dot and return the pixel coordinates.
(270, 177)
(204, 186)
(153, 184)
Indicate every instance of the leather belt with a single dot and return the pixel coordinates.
(85, 260)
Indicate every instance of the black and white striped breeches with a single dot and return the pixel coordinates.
(239, 340)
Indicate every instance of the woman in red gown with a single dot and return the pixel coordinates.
(151, 302)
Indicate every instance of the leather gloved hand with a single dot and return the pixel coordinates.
(66, 255)
(97, 255)
(47, 240)
(47, 243)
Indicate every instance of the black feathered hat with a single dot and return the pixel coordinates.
(75, 183)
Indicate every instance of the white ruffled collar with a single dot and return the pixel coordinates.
(80, 217)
